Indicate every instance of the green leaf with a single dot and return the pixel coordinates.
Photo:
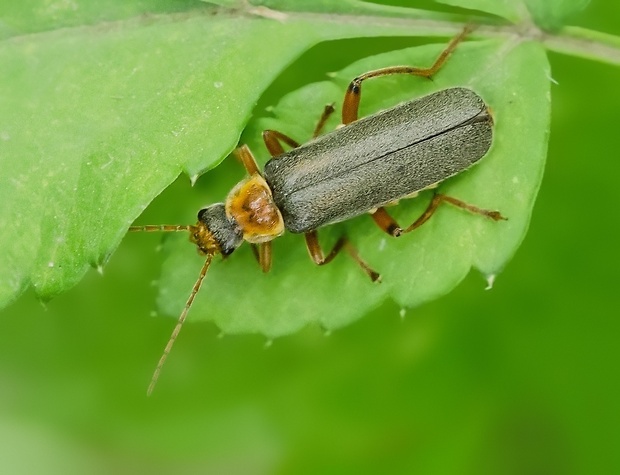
(29, 16)
(513, 10)
(586, 43)
(552, 14)
(513, 77)
(548, 14)
(352, 7)
(102, 117)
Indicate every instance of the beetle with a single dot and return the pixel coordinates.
(361, 167)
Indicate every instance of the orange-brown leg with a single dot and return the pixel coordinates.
(319, 258)
(244, 155)
(320, 125)
(274, 140)
(387, 224)
(262, 253)
(391, 227)
(350, 106)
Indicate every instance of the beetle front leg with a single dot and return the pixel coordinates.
(389, 225)
(319, 258)
(244, 155)
(262, 253)
(350, 106)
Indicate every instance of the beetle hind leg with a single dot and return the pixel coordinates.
(350, 106)
(319, 258)
(389, 225)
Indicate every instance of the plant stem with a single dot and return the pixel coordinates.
(570, 40)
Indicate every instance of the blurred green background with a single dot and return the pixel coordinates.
(521, 379)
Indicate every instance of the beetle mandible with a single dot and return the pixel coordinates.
(361, 167)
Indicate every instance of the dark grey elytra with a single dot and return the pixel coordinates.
(380, 159)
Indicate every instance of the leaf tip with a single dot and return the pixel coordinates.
(490, 281)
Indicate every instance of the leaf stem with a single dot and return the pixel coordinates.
(585, 43)
(570, 40)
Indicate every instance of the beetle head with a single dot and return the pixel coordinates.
(215, 232)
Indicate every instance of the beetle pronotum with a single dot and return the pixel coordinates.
(359, 168)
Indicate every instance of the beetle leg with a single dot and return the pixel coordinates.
(390, 226)
(244, 155)
(386, 222)
(273, 141)
(327, 112)
(262, 253)
(350, 106)
(439, 198)
(319, 258)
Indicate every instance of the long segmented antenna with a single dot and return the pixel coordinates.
(179, 324)
(190, 300)
(151, 228)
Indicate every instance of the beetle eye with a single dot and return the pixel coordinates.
(201, 213)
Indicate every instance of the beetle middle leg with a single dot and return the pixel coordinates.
(389, 225)
(319, 258)
(350, 106)
(274, 139)
(327, 112)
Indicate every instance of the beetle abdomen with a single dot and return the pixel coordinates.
(379, 159)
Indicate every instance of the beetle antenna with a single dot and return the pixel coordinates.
(179, 324)
(151, 228)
